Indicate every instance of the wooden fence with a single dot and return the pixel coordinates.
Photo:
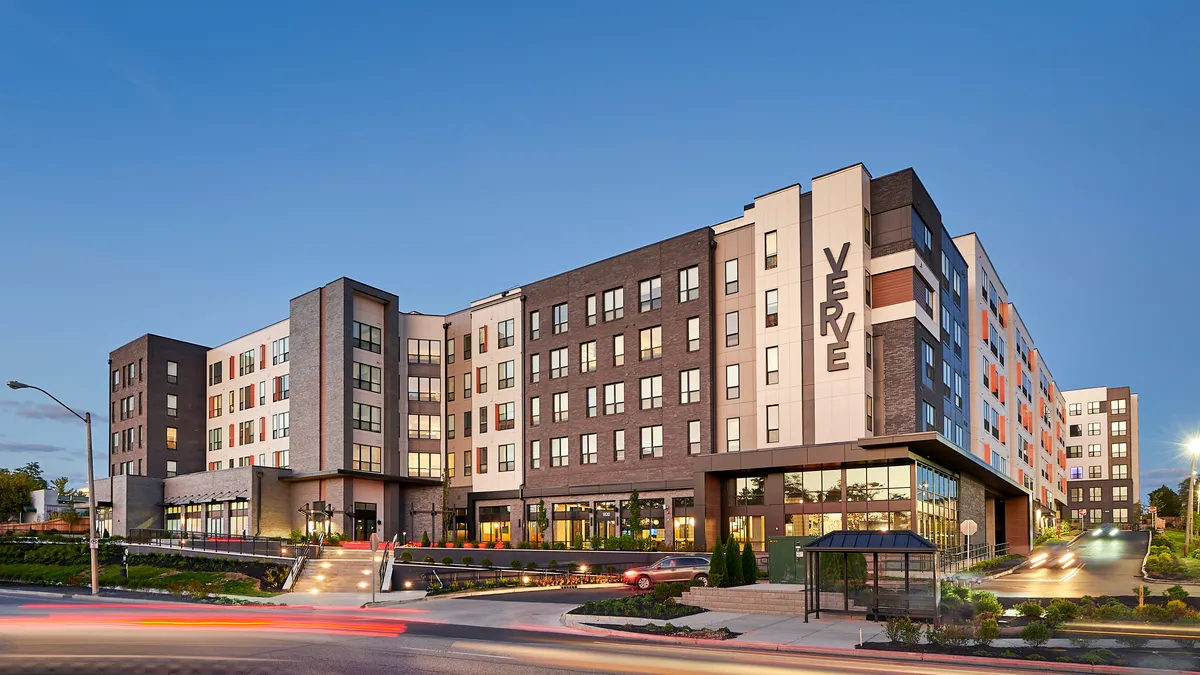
(58, 525)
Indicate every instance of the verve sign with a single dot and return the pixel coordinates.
(832, 311)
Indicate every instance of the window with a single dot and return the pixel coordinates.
(285, 386)
(733, 434)
(505, 416)
(689, 386)
(366, 338)
(731, 276)
(1120, 493)
(535, 325)
(369, 458)
(450, 426)
(280, 351)
(732, 332)
(482, 343)
(649, 294)
(1095, 494)
(651, 342)
(1095, 471)
(772, 307)
(246, 362)
(172, 468)
(590, 305)
(1095, 407)
(771, 250)
(1119, 428)
(619, 445)
(173, 406)
(867, 287)
(945, 268)
(561, 403)
(535, 368)
(930, 425)
(535, 411)
(693, 334)
(172, 438)
(958, 337)
(651, 392)
(450, 353)
(504, 334)
(558, 452)
(481, 380)
(506, 455)
(869, 345)
(481, 460)
(369, 417)
(1077, 494)
(614, 398)
(428, 465)
(929, 371)
(1075, 409)
(1120, 471)
(370, 378)
(1117, 407)
(772, 365)
(535, 455)
(587, 449)
(590, 402)
(866, 227)
(1075, 430)
(1076, 472)
(618, 350)
(693, 428)
(505, 374)
(957, 286)
(870, 417)
(1074, 451)
(1120, 516)
(214, 374)
(733, 381)
(449, 387)
(483, 419)
(1095, 450)
(652, 441)
(558, 363)
(560, 318)
(773, 424)
(424, 351)
(214, 439)
(587, 357)
(468, 384)
(172, 372)
(1093, 428)
(925, 234)
(1119, 450)
(689, 284)
(245, 432)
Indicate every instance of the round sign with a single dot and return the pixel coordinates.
(374, 542)
(1083, 512)
(969, 527)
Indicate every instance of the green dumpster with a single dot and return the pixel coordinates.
(786, 559)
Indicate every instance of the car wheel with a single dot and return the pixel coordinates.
(702, 579)
(643, 583)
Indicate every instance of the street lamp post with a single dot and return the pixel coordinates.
(1194, 449)
(87, 422)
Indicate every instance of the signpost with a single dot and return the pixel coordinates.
(374, 548)
(1082, 515)
(968, 528)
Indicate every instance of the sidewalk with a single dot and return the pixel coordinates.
(756, 629)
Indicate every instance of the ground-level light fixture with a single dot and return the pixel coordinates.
(408, 584)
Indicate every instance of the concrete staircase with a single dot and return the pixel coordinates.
(339, 571)
(756, 599)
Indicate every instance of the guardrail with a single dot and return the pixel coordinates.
(959, 558)
(384, 579)
(223, 543)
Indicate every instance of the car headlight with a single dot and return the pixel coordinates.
(1113, 532)
(1066, 558)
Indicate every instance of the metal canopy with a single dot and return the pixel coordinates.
(872, 541)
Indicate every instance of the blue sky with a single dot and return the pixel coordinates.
(185, 169)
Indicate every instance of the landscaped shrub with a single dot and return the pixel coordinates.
(1161, 540)
(552, 565)
(1177, 609)
(1031, 609)
(956, 591)
(903, 630)
(447, 560)
(428, 558)
(716, 567)
(987, 631)
(531, 565)
(1098, 657)
(668, 589)
(642, 606)
(275, 576)
(425, 539)
(733, 563)
(948, 634)
(486, 562)
(1112, 610)
(986, 603)
(1036, 634)
(749, 565)
(1061, 611)
(1132, 642)
(406, 556)
(1176, 592)
(518, 565)
(1152, 613)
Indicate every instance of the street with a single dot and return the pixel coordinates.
(40, 635)
(1107, 566)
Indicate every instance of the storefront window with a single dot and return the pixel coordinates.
(494, 523)
(749, 491)
(193, 518)
(239, 517)
(877, 483)
(748, 528)
(572, 523)
(812, 487)
(653, 519)
(216, 519)
(103, 520)
(606, 519)
(531, 524)
(174, 518)
(937, 506)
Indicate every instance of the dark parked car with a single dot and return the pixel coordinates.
(670, 568)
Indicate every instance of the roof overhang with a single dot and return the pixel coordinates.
(932, 446)
(364, 475)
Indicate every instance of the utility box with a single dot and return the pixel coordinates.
(786, 559)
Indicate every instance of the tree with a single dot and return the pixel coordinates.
(733, 562)
(66, 495)
(749, 565)
(34, 471)
(543, 521)
(15, 488)
(1166, 500)
(635, 515)
(447, 512)
(716, 568)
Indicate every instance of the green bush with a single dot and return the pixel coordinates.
(486, 563)
(406, 556)
(749, 565)
(642, 605)
(987, 631)
(1133, 642)
(1098, 657)
(518, 565)
(1149, 612)
(531, 565)
(1031, 609)
(956, 591)
(716, 567)
(948, 634)
(1176, 592)
(1061, 611)
(552, 565)
(1009, 654)
(668, 589)
(1161, 540)
(571, 567)
(987, 603)
(425, 539)
(429, 559)
(903, 630)
(1112, 610)
(275, 576)
(1036, 634)
(467, 560)
(733, 563)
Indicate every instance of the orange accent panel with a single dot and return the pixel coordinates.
(262, 357)
(1032, 361)
(1021, 477)
(250, 403)
(1020, 376)
(892, 288)
(1003, 429)
(1041, 407)
(231, 436)
(983, 327)
(232, 372)
(1001, 389)
(262, 428)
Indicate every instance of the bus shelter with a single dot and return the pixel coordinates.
(876, 574)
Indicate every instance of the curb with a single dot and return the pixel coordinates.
(879, 655)
(494, 591)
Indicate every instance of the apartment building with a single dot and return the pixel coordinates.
(829, 359)
(1102, 455)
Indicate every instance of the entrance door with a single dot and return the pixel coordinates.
(364, 520)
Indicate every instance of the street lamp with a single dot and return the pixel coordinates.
(87, 421)
(1194, 449)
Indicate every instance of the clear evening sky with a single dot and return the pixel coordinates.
(186, 168)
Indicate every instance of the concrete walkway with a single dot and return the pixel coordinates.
(758, 629)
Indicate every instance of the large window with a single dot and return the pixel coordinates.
(1074, 451)
(1095, 450)
(535, 325)
(773, 423)
(652, 441)
(731, 276)
(367, 417)
(1119, 450)
(1093, 429)
(424, 351)
(772, 297)
(246, 362)
(814, 486)
(732, 329)
(733, 434)
(561, 405)
(368, 458)
(937, 506)
(1120, 471)
(693, 334)
(559, 363)
(1095, 471)
(481, 461)
(281, 425)
(505, 371)
(651, 388)
(560, 318)
(245, 432)
(651, 342)
(587, 449)
(771, 250)
(649, 294)
(504, 333)
(1117, 406)
(930, 422)
(618, 350)
(1095, 494)
(614, 398)
(370, 378)
(772, 362)
(689, 386)
(589, 403)
(280, 350)
(535, 454)
(505, 416)
(614, 304)
(689, 284)
(590, 309)
(878, 483)
(426, 464)
(1120, 493)
(1095, 407)
(587, 357)
(749, 491)
(366, 338)
(535, 368)
(425, 426)
(733, 381)
(619, 445)
(559, 447)
(693, 429)
(535, 411)
(506, 455)
(1120, 428)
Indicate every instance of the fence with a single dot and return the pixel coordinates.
(958, 558)
(57, 525)
(222, 543)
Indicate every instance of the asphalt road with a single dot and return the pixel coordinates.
(1107, 566)
(40, 635)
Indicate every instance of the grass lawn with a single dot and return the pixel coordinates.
(1191, 566)
(140, 576)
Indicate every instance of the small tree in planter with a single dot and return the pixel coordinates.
(635, 515)
(543, 521)
(716, 569)
(749, 565)
(467, 560)
(425, 539)
(733, 563)
(486, 562)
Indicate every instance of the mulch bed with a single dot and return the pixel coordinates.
(679, 631)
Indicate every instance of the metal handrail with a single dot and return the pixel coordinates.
(219, 543)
